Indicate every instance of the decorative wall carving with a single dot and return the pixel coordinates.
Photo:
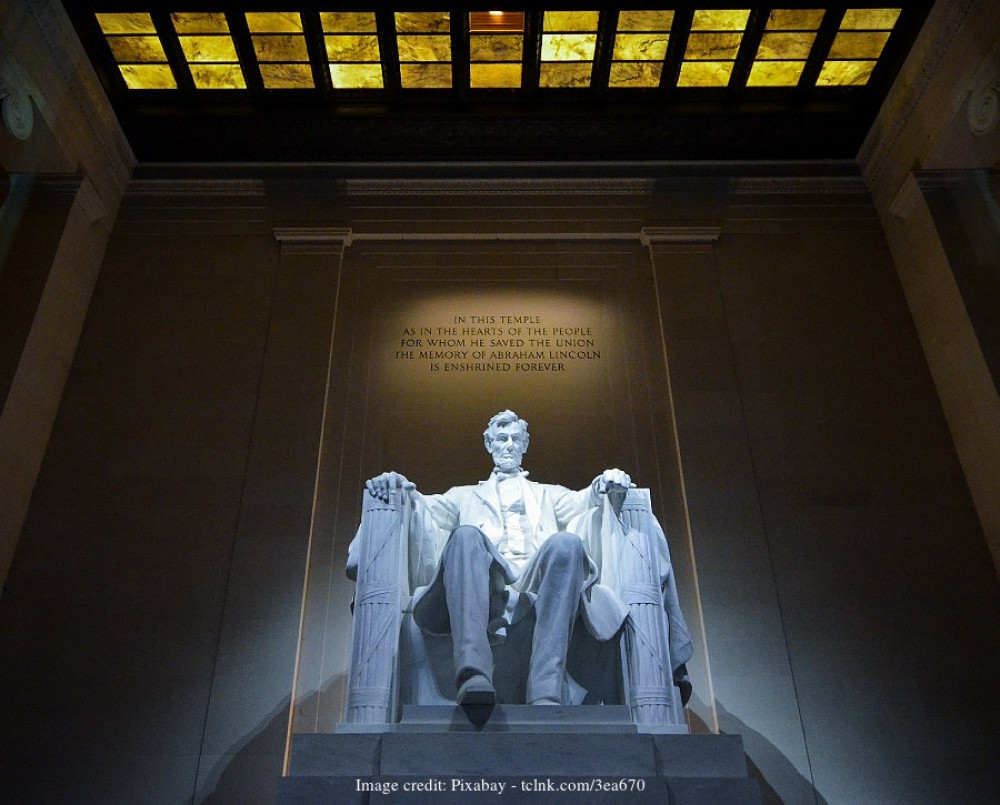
(18, 115)
(984, 108)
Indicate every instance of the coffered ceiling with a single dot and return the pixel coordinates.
(272, 80)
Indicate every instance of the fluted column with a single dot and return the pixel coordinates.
(654, 699)
(382, 584)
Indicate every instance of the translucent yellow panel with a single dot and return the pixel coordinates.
(424, 48)
(645, 20)
(725, 20)
(286, 76)
(872, 19)
(563, 74)
(356, 76)
(571, 20)
(133, 23)
(775, 73)
(136, 48)
(274, 22)
(148, 76)
(425, 76)
(200, 22)
(795, 19)
(347, 21)
(845, 73)
(867, 45)
(635, 74)
(499, 76)
(218, 76)
(641, 47)
(361, 47)
(208, 48)
(568, 47)
(427, 22)
(496, 21)
(493, 47)
(705, 74)
(712, 47)
(786, 46)
(281, 48)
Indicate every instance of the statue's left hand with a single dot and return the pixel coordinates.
(611, 481)
(381, 485)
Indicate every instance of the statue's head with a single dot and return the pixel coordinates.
(506, 439)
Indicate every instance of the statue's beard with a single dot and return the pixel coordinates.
(507, 464)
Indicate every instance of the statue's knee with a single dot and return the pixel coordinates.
(565, 545)
(465, 537)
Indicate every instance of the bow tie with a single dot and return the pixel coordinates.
(503, 476)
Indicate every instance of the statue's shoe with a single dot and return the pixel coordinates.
(477, 690)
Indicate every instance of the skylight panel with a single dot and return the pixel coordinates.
(137, 50)
(209, 50)
(712, 46)
(787, 41)
(857, 47)
(280, 45)
(496, 49)
(569, 42)
(352, 49)
(423, 39)
(640, 47)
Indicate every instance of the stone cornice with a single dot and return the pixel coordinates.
(935, 43)
(541, 186)
(197, 187)
(784, 185)
(81, 89)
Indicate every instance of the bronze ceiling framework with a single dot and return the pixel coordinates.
(280, 81)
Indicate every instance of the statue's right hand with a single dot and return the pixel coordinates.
(381, 485)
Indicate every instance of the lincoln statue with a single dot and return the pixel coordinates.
(509, 544)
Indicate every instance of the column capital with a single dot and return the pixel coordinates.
(684, 235)
(313, 238)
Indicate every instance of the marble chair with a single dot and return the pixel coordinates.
(394, 664)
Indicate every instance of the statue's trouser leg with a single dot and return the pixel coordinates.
(562, 562)
(466, 565)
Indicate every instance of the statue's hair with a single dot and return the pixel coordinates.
(500, 420)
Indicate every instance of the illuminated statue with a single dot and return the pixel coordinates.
(479, 557)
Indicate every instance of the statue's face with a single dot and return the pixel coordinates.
(507, 445)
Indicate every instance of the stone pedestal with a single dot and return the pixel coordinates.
(447, 754)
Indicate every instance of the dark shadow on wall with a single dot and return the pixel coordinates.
(797, 789)
(250, 774)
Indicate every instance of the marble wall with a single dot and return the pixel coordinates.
(847, 600)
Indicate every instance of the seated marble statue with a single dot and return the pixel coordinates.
(507, 544)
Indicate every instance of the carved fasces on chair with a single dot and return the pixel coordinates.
(654, 699)
(382, 584)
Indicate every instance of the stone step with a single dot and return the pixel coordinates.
(505, 767)
(516, 754)
(516, 718)
(576, 790)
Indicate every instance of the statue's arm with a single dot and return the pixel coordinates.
(431, 519)
(612, 485)
(379, 487)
